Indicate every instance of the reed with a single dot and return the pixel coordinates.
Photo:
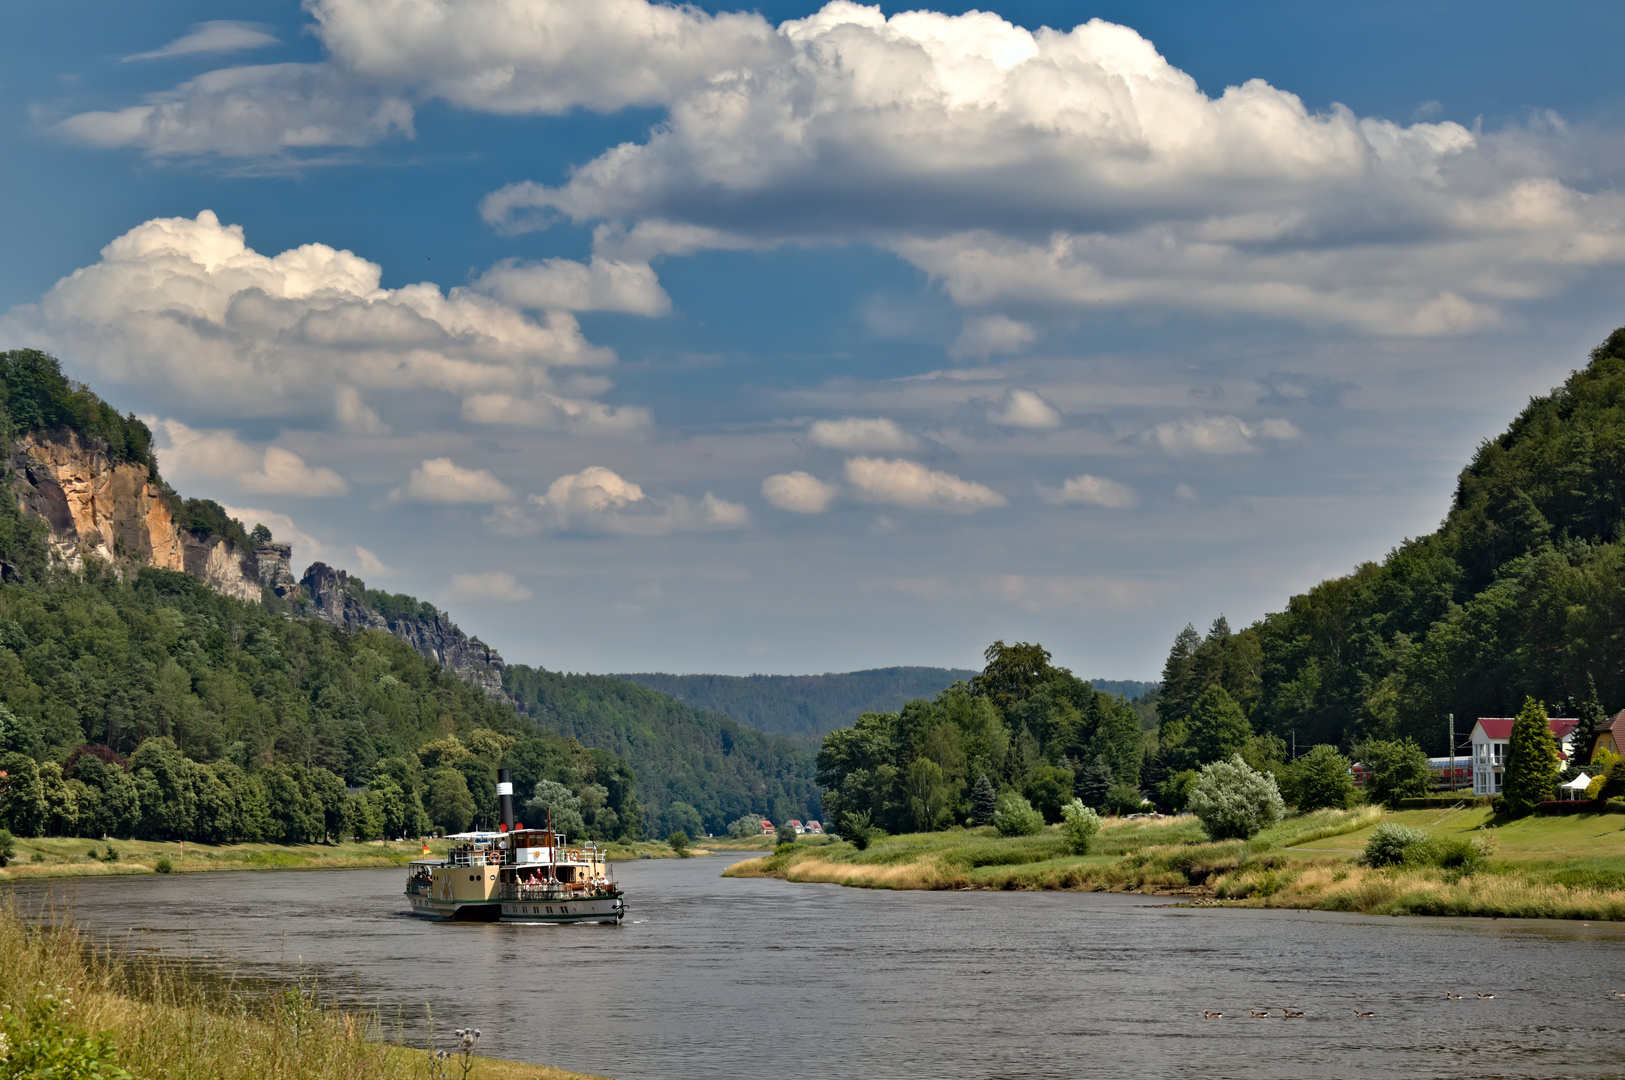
(109, 1013)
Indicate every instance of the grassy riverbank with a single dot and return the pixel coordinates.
(65, 857)
(1557, 867)
(86, 1012)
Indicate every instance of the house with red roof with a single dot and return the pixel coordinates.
(1610, 736)
(1490, 737)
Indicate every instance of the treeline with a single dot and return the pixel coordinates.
(155, 707)
(697, 771)
(1023, 725)
(1519, 594)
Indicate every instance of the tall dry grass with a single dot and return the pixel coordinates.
(165, 1020)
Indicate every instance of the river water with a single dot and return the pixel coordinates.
(714, 977)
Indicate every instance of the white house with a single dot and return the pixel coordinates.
(1490, 736)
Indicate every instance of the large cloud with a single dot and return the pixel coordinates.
(189, 452)
(187, 304)
(441, 480)
(1218, 435)
(905, 483)
(597, 499)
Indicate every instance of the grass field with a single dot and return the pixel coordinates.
(69, 1010)
(1542, 867)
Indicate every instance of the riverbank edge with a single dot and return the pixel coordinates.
(66, 857)
(1220, 874)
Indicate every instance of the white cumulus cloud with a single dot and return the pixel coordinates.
(905, 483)
(990, 335)
(494, 585)
(1219, 435)
(1091, 489)
(860, 433)
(306, 548)
(1024, 409)
(597, 499)
(567, 285)
(272, 470)
(799, 492)
(441, 480)
(185, 304)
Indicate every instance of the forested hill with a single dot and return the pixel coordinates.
(1520, 592)
(808, 707)
(697, 771)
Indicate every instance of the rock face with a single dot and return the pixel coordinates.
(96, 508)
(335, 600)
(93, 507)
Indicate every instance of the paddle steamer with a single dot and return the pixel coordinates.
(516, 875)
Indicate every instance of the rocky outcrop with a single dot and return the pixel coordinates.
(94, 507)
(276, 568)
(335, 600)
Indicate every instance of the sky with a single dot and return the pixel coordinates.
(814, 338)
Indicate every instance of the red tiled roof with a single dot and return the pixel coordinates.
(1500, 727)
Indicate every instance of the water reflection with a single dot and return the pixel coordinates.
(712, 977)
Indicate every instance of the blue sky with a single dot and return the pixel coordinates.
(816, 338)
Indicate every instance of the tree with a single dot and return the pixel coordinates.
(261, 534)
(1591, 716)
(984, 799)
(1048, 789)
(679, 843)
(1395, 769)
(784, 833)
(1015, 816)
(552, 796)
(927, 793)
(1321, 779)
(7, 852)
(1233, 801)
(856, 829)
(1012, 673)
(1094, 781)
(362, 821)
(748, 825)
(1178, 691)
(1079, 826)
(449, 805)
(1532, 761)
(23, 809)
(1216, 728)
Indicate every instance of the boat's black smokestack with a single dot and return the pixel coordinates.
(505, 798)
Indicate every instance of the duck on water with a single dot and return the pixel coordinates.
(516, 875)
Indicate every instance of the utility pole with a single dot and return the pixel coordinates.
(1452, 753)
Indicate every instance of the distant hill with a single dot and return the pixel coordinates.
(808, 707)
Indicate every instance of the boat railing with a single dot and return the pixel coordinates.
(553, 891)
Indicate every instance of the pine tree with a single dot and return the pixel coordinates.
(1592, 716)
(1531, 769)
(1095, 782)
(1179, 689)
(983, 800)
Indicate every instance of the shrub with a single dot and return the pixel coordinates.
(855, 828)
(7, 852)
(1123, 799)
(37, 1042)
(1389, 843)
(679, 843)
(112, 854)
(1233, 801)
(1321, 779)
(1398, 770)
(1079, 826)
(163, 865)
(1015, 816)
(1174, 793)
(784, 833)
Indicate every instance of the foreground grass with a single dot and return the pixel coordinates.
(97, 1012)
(1557, 867)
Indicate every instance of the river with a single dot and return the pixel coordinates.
(714, 977)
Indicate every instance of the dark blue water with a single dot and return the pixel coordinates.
(714, 977)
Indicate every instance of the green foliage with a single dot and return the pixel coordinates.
(984, 799)
(1174, 793)
(1216, 728)
(36, 396)
(261, 534)
(1319, 780)
(449, 805)
(715, 767)
(1389, 842)
(554, 803)
(747, 825)
(38, 1042)
(205, 517)
(1531, 762)
(7, 851)
(1094, 782)
(1123, 799)
(1397, 769)
(784, 833)
(163, 865)
(1015, 816)
(1079, 827)
(1233, 801)
(1012, 673)
(802, 707)
(856, 829)
(679, 843)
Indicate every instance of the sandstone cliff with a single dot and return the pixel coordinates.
(94, 507)
(334, 599)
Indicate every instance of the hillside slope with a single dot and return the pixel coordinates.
(1520, 592)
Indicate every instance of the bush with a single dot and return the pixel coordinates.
(7, 852)
(855, 828)
(163, 865)
(37, 1042)
(112, 854)
(679, 843)
(1015, 816)
(1233, 801)
(1389, 843)
(1079, 826)
(1123, 799)
(1321, 779)
(1174, 793)
(1398, 769)
(784, 833)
